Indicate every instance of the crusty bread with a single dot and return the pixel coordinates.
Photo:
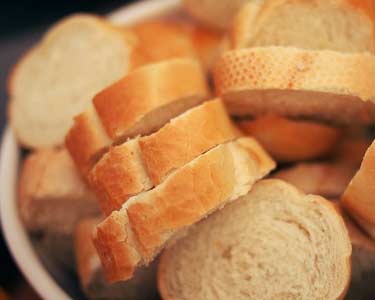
(52, 196)
(352, 149)
(318, 24)
(217, 14)
(358, 198)
(292, 140)
(142, 163)
(87, 140)
(56, 79)
(52, 199)
(93, 283)
(326, 179)
(138, 104)
(149, 96)
(326, 85)
(147, 222)
(274, 243)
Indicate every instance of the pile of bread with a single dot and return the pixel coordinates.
(191, 154)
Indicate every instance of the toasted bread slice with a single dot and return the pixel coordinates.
(148, 97)
(52, 196)
(358, 198)
(142, 163)
(91, 276)
(217, 14)
(140, 103)
(57, 79)
(319, 25)
(147, 222)
(292, 140)
(273, 243)
(325, 85)
(326, 179)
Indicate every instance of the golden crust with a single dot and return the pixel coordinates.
(317, 84)
(118, 175)
(288, 140)
(114, 243)
(193, 192)
(86, 140)
(186, 137)
(358, 198)
(126, 102)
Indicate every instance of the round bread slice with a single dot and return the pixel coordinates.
(325, 85)
(340, 25)
(149, 96)
(289, 140)
(358, 199)
(141, 163)
(326, 179)
(57, 79)
(274, 243)
(139, 104)
(134, 235)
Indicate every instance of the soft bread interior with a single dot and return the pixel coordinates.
(274, 243)
(318, 24)
(58, 78)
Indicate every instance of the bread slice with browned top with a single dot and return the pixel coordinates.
(90, 271)
(341, 25)
(57, 79)
(139, 104)
(325, 85)
(147, 222)
(358, 199)
(273, 243)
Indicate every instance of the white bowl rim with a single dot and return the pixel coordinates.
(15, 233)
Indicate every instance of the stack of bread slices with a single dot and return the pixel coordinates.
(180, 170)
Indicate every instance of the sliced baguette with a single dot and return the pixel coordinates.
(138, 104)
(142, 163)
(274, 243)
(90, 271)
(147, 222)
(324, 85)
(52, 196)
(326, 179)
(319, 25)
(217, 14)
(57, 79)
(148, 97)
(358, 199)
(292, 140)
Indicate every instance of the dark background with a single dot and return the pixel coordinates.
(22, 23)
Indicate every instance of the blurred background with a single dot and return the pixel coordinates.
(22, 23)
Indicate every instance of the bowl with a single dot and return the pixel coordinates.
(45, 277)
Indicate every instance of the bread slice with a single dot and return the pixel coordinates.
(325, 85)
(319, 25)
(147, 222)
(165, 39)
(148, 97)
(58, 78)
(142, 163)
(363, 261)
(124, 110)
(52, 196)
(91, 276)
(326, 179)
(292, 140)
(217, 14)
(358, 198)
(274, 243)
